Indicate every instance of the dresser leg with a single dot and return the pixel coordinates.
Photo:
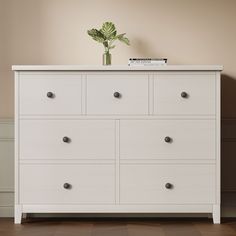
(18, 214)
(216, 214)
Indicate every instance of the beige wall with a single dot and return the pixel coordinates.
(54, 32)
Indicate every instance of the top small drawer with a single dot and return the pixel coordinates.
(117, 94)
(50, 94)
(184, 94)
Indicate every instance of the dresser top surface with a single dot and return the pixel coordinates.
(117, 68)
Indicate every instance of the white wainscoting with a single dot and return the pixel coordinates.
(6, 167)
(228, 169)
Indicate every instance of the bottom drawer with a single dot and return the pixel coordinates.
(167, 184)
(69, 184)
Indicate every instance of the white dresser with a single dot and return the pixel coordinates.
(117, 139)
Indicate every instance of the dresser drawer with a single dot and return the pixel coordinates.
(117, 94)
(67, 184)
(184, 94)
(67, 139)
(167, 184)
(167, 139)
(50, 94)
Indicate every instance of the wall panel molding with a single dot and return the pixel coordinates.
(6, 167)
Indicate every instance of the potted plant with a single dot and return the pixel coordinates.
(107, 35)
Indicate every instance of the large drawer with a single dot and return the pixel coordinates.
(167, 184)
(50, 94)
(117, 94)
(67, 184)
(67, 139)
(167, 139)
(184, 94)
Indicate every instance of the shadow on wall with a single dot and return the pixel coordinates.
(228, 93)
(143, 48)
(228, 135)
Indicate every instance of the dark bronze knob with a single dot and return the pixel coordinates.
(50, 95)
(168, 185)
(67, 186)
(117, 95)
(184, 95)
(66, 139)
(168, 139)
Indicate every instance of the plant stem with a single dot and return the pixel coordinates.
(107, 50)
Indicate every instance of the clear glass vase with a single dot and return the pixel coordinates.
(106, 59)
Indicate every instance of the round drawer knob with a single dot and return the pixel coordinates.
(50, 95)
(168, 185)
(67, 186)
(184, 95)
(66, 139)
(168, 139)
(117, 95)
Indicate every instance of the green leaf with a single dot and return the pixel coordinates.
(111, 47)
(96, 35)
(108, 30)
(119, 36)
(124, 40)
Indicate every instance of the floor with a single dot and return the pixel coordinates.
(117, 227)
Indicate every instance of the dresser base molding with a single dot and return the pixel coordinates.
(20, 210)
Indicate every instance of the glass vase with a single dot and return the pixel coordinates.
(106, 59)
